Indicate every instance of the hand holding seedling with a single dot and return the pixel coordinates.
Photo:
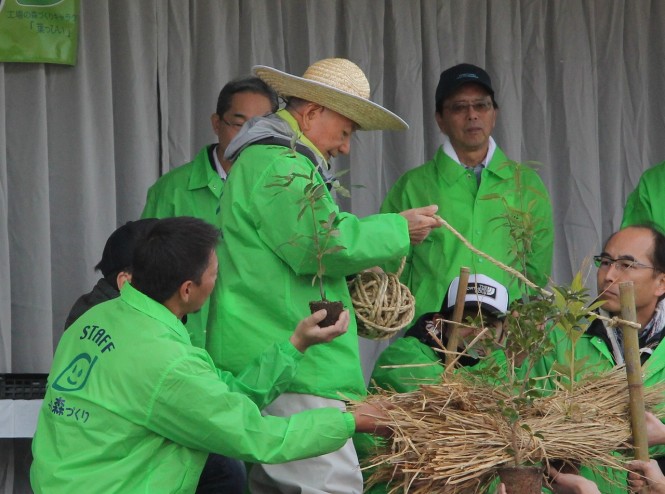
(308, 332)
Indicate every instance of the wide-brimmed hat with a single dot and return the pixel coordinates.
(337, 84)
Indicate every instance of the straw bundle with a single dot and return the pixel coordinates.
(451, 437)
(381, 303)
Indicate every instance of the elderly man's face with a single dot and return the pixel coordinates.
(329, 131)
(468, 118)
(630, 244)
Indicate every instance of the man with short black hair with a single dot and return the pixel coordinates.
(132, 406)
(478, 193)
(115, 266)
(195, 189)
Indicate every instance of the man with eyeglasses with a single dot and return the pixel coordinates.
(637, 254)
(195, 189)
(477, 190)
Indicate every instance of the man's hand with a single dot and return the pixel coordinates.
(570, 483)
(308, 332)
(646, 477)
(655, 429)
(421, 222)
(367, 416)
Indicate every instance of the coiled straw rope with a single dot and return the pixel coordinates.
(382, 304)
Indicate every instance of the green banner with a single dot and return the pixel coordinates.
(42, 31)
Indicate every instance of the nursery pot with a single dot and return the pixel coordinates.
(522, 480)
(334, 310)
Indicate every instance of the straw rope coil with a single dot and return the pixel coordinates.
(382, 304)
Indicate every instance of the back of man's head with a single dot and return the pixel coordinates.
(245, 85)
(175, 251)
(119, 248)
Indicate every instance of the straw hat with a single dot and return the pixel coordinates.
(338, 84)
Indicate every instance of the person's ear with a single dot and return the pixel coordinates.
(440, 122)
(660, 285)
(216, 122)
(121, 278)
(185, 291)
(311, 112)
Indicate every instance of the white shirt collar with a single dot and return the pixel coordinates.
(218, 165)
(450, 151)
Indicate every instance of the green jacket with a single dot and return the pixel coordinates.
(646, 204)
(193, 189)
(267, 264)
(433, 264)
(406, 351)
(133, 407)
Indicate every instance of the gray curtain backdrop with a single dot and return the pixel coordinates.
(579, 84)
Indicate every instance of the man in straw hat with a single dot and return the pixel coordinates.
(476, 187)
(269, 259)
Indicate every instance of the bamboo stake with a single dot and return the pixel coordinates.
(453, 340)
(634, 371)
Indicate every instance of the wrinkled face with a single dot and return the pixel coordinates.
(244, 105)
(200, 293)
(330, 132)
(467, 118)
(632, 244)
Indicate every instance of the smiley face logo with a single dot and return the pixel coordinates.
(76, 374)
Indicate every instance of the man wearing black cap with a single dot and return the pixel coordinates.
(478, 190)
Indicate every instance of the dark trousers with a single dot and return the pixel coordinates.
(222, 475)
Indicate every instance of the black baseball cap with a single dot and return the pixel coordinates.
(455, 76)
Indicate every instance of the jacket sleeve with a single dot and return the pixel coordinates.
(193, 407)
(268, 376)
(154, 207)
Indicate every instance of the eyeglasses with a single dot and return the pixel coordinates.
(233, 125)
(460, 107)
(604, 262)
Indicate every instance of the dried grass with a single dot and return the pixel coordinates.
(451, 437)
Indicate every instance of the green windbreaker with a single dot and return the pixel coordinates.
(193, 189)
(646, 204)
(133, 407)
(433, 264)
(267, 264)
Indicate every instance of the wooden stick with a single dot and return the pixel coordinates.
(458, 312)
(631, 348)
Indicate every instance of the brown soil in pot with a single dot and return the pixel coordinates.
(334, 310)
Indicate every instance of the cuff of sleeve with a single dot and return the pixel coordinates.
(350, 423)
(288, 349)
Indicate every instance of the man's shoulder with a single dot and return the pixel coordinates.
(656, 172)
(179, 177)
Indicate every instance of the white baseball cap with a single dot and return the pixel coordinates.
(481, 290)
